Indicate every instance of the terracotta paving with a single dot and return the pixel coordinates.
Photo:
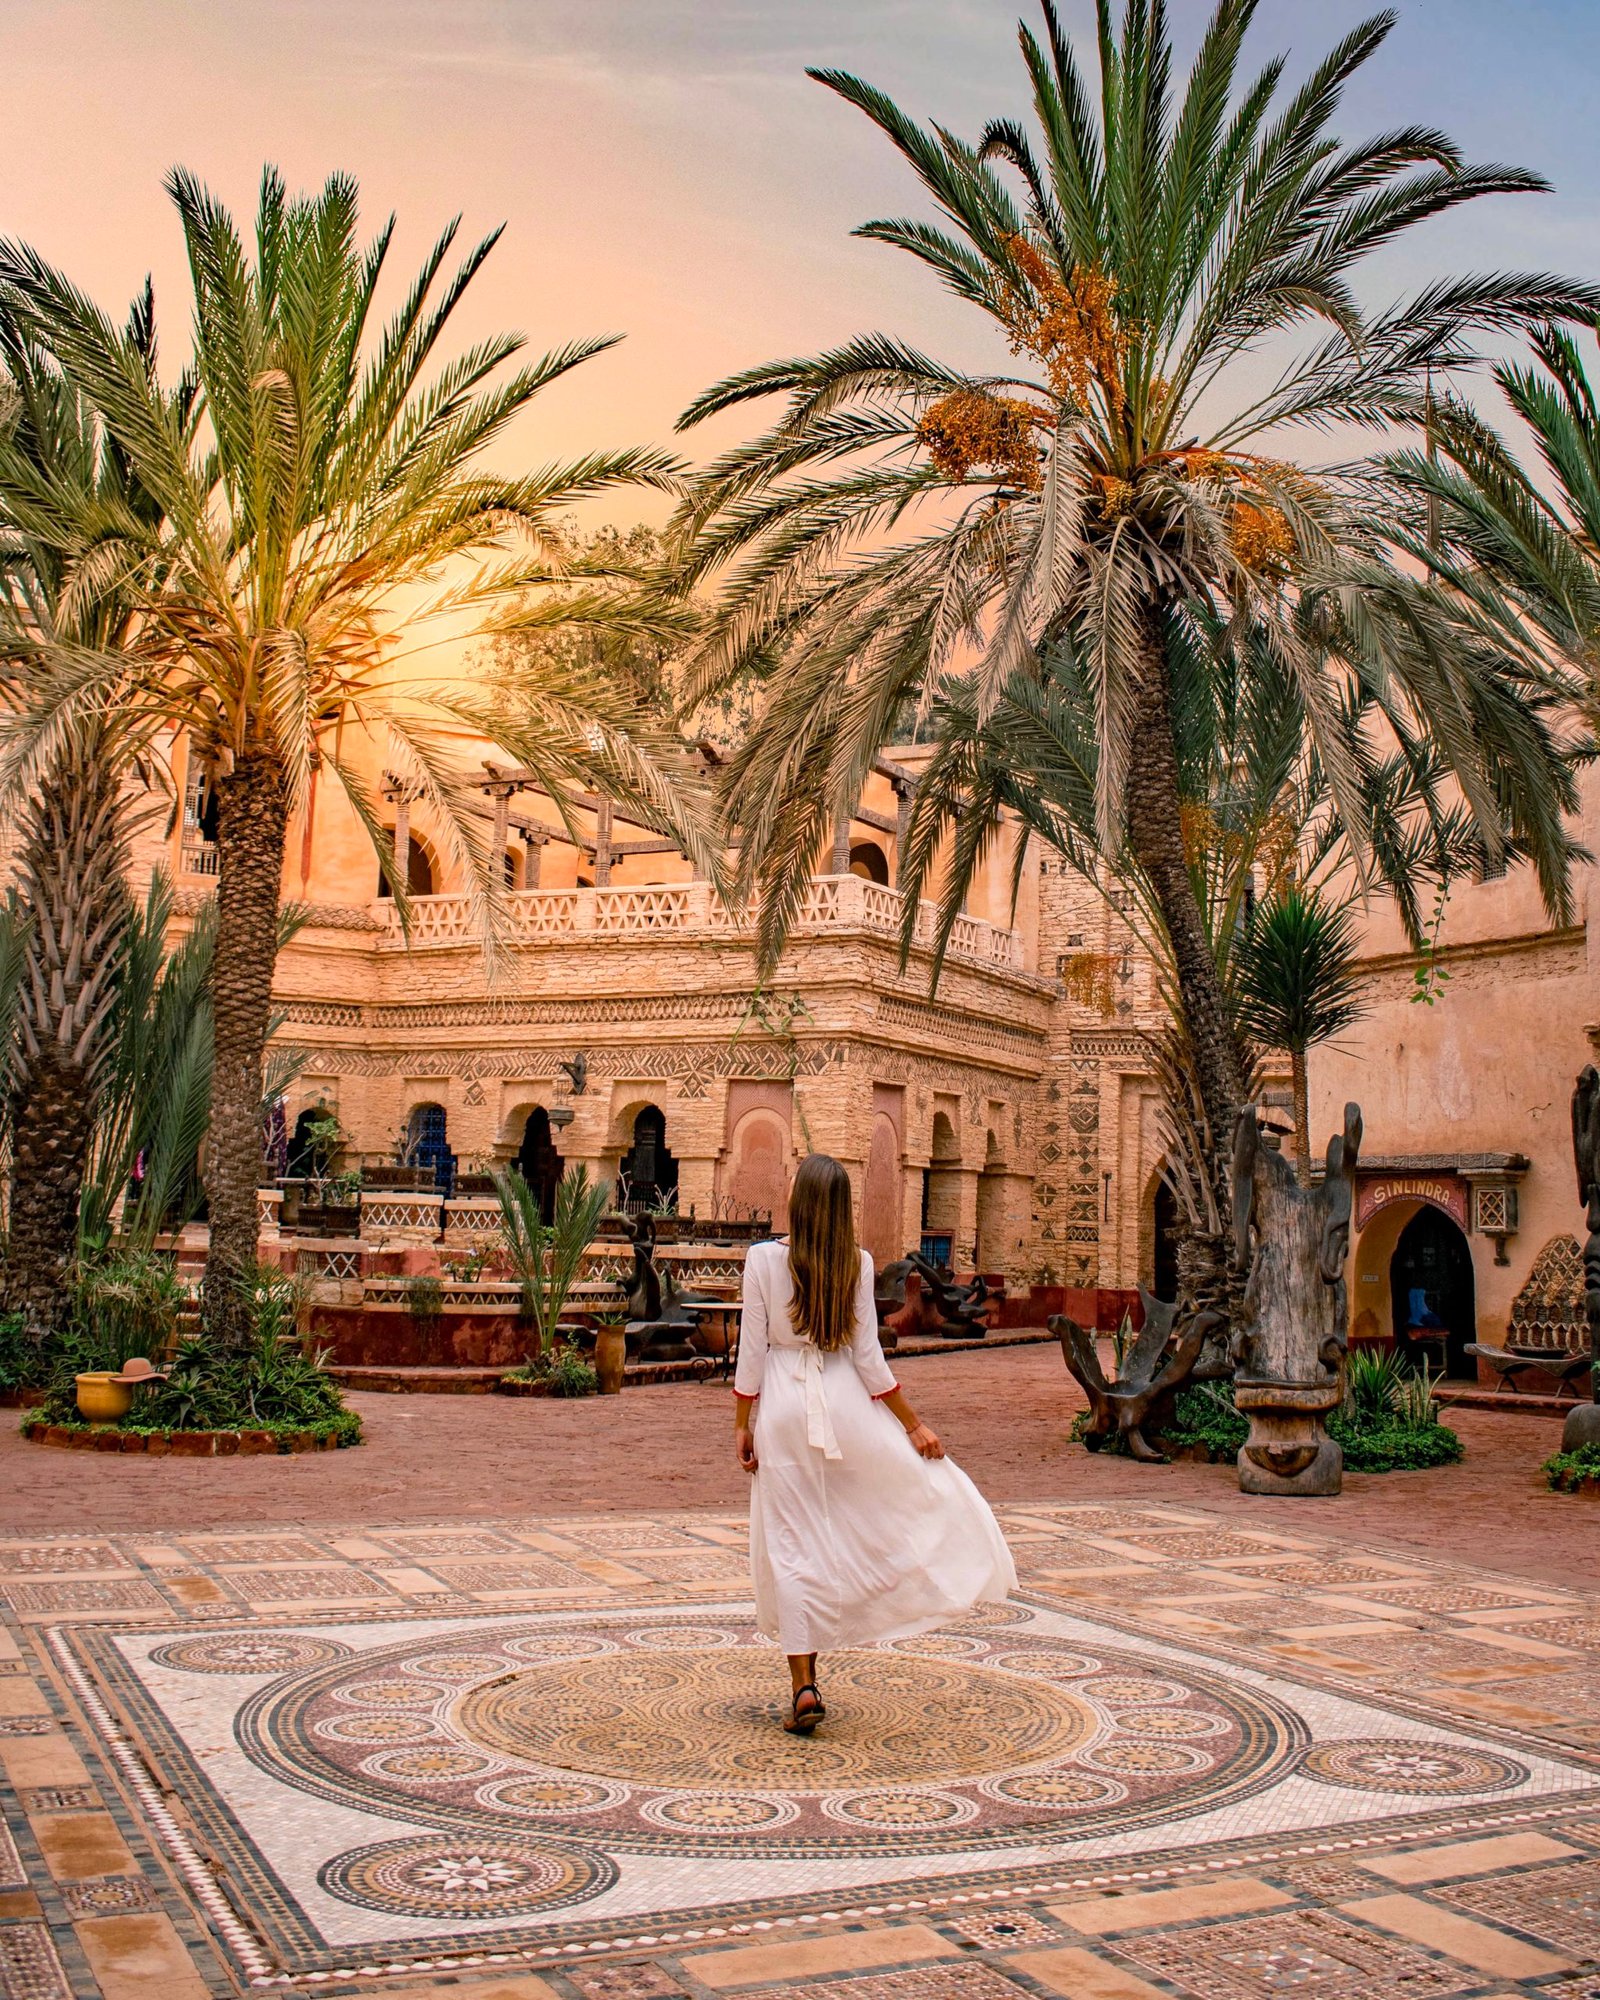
(1004, 1414)
(1207, 1752)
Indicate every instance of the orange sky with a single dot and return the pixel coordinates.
(665, 167)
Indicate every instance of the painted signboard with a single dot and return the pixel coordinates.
(1446, 1191)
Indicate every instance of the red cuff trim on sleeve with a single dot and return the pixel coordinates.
(886, 1392)
(750, 1395)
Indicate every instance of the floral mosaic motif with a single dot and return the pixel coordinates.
(1410, 1768)
(461, 1881)
(106, 1896)
(907, 1811)
(721, 1812)
(554, 1798)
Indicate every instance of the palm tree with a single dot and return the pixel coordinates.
(1298, 984)
(333, 494)
(1258, 823)
(1523, 554)
(72, 516)
(1136, 255)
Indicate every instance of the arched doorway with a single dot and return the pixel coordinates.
(538, 1162)
(1433, 1298)
(648, 1174)
(428, 1144)
(421, 874)
(870, 863)
(309, 1157)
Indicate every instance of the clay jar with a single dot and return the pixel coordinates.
(103, 1398)
(610, 1354)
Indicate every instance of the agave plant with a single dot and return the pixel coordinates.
(904, 521)
(331, 476)
(547, 1256)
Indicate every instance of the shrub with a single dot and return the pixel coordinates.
(273, 1386)
(1393, 1445)
(22, 1362)
(563, 1370)
(1567, 1470)
(424, 1296)
(126, 1306)
(1204, 1415)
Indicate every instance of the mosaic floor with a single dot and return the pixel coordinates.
(516, 1762)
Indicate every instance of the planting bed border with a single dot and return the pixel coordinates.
(178, 1444)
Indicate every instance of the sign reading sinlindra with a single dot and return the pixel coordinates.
(1446, 1191)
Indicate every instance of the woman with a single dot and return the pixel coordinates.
(860, 1528)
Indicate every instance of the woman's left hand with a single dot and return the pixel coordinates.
(744, 1442)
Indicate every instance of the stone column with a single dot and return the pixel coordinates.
(602, 845)
(402, 842)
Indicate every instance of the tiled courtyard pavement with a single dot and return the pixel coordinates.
(522, 1759)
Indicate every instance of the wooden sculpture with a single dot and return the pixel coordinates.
(1159, 1362)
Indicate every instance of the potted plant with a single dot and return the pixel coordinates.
(610, 1355)
(546, 1257)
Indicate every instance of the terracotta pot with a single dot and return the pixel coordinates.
(610, 1354)
(102, 1399)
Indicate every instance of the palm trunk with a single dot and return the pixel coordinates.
(1155, 835)
(252, 824)
(1208, 1047)
(77, 905)
(1302, 1117)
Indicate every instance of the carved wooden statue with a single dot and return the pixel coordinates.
(1583, 1423)
(1157, 1364)
(915, 1301)
(1289, 1343)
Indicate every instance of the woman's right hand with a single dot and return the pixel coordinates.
(926, 1441)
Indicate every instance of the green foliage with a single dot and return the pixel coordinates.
(563, 1369)
(20, 1357)
(1204, 1415)
(1296, 972)
(1393, 1445)
(126, 1306)
(424, 1296)
(1567, 1470)
(547, 1257)
(272, 1385)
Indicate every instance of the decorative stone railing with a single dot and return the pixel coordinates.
(687, 909)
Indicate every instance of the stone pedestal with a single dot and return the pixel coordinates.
(1288, 1451)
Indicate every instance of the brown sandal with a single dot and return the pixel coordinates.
(801, 1723)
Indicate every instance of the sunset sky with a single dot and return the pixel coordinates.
(665, 167)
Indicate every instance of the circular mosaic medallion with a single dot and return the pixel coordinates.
(463, 1880)
(990, 1617)
(1128, 1756)
(720, 1812)
(942, 1646)
(455, 1667)
(1131, 1691)
(675, 1637)
(905, 1812)
(1054, 1662)
(1396, 1764)
(400, 1693)
(554, 1798)
(433, 1764)
(693, 1720)
(250, 1653)
(676, 1748)
(1061, 1791)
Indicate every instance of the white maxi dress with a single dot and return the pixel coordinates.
(854, 1536)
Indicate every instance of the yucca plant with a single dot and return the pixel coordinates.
(332, 493)
(1136, 250)
(546, 1257)
(1298, 983)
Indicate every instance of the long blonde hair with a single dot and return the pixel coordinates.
(824, 1261)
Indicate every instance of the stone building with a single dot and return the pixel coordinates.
(616, 1020)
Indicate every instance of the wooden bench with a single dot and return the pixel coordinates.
(1559, 1365)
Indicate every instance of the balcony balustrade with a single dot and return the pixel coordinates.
(834, 903)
